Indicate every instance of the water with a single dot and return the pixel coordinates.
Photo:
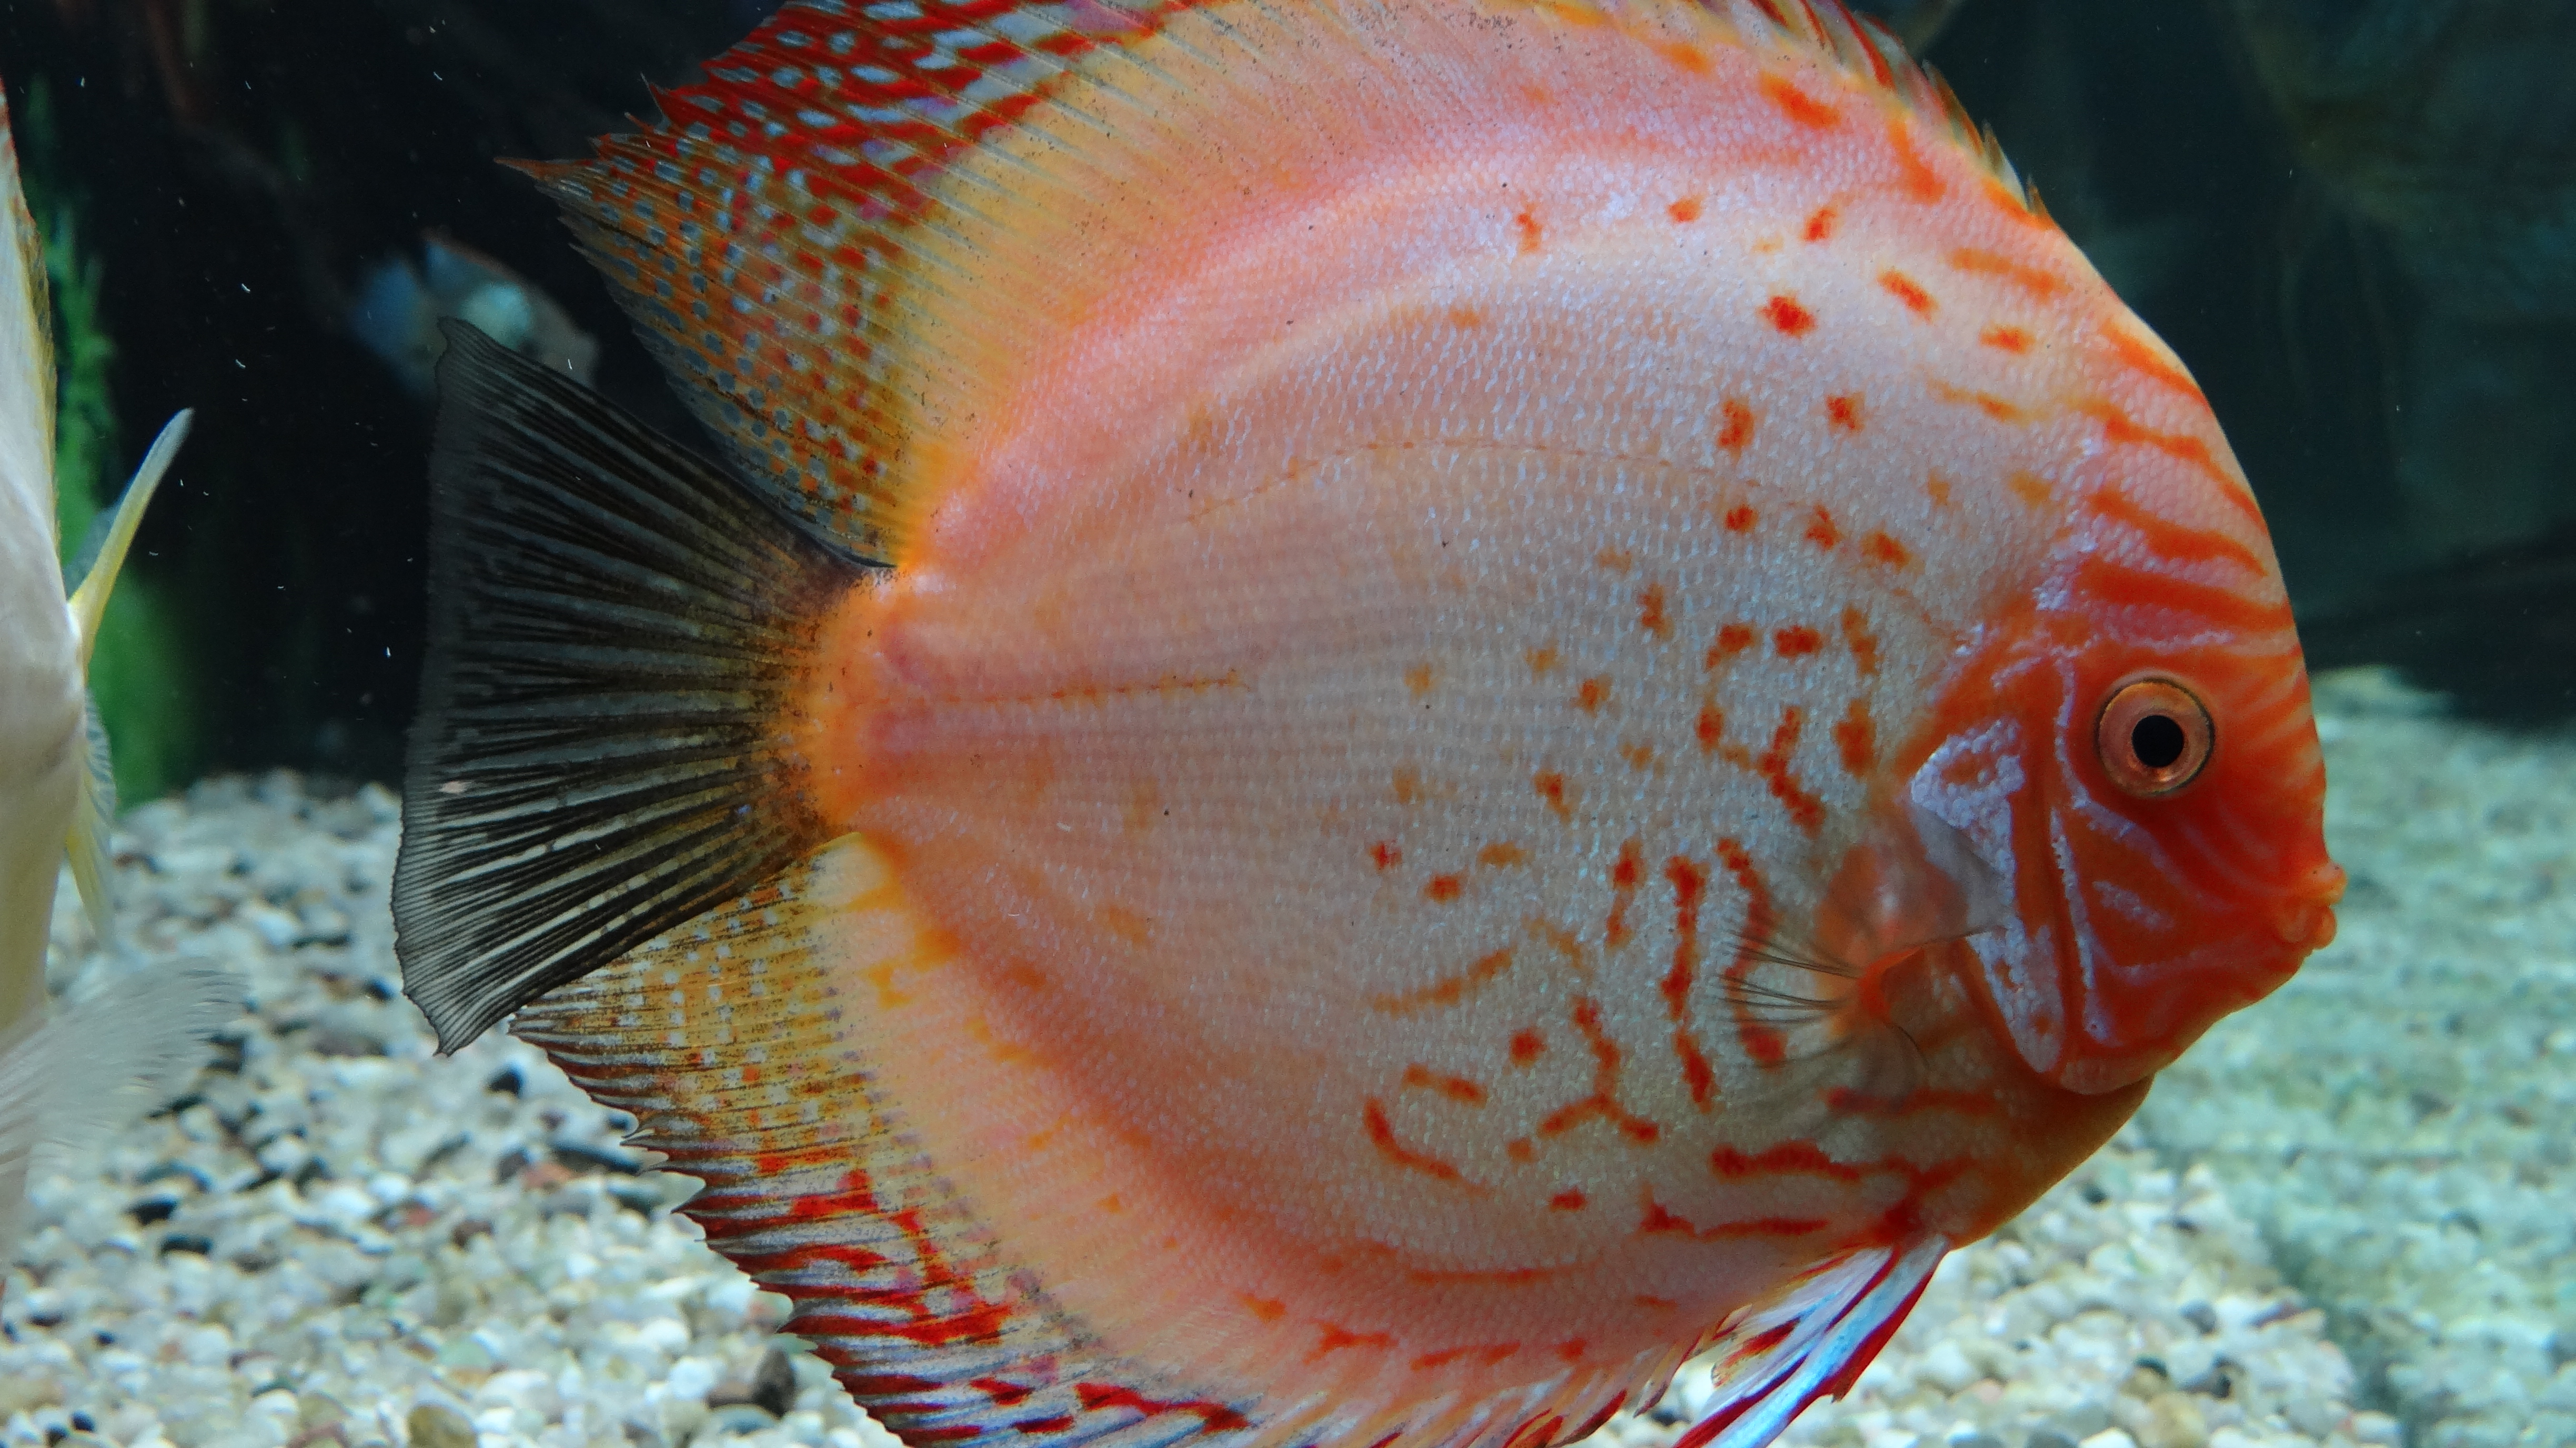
(2349, 219)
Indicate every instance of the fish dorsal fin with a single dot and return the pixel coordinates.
(869, 213)
(26, 338)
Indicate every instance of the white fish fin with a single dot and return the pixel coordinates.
(89, 600)
(1810, 1339)
(26, 341)
(118, 1045)
(92, 820)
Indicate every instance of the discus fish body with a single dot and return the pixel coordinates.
(1463, 696)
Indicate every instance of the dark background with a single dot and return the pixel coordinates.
(2344, 214)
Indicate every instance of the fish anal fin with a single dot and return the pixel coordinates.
(617, 630)
(1810, 1340)
(777, 1048)
(730, 1040)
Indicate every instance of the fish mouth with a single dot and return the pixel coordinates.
(2306, 920)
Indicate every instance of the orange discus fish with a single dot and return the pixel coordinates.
(1392, 709)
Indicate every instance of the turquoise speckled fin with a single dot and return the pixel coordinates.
(1811, 1340)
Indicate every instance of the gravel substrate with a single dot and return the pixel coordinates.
(338, 1237)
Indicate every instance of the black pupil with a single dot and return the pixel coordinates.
(2157, 740)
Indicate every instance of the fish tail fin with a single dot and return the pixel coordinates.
(120, 1043)
(87, 845)
(615, 630)
(1810, 1340)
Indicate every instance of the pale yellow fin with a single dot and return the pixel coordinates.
(89, 600)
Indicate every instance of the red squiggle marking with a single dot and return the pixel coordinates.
(1385, 855)
(1336, 1337)
(1796, 641)
(1802, 1158)
(1457, 1088)
(1821, 530)
(1799, 106)
(1806, 811)
(2120, 430)
(1448, 990)
(1603, 1103)
(1762, 1045)
(1856, 737)
(1690, 882)
(1381, 1134)
(1659, 1219)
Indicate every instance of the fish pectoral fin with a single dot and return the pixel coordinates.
(616, 630)
(1810, 1340)
(120, 1043)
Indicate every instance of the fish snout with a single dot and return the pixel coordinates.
(2306, 919)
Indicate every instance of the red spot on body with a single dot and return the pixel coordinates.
(2038, 281)
(1792, 320)
(1741, 518)
(1799, 106)
(2006, 339)
(1527, 221)
(1857, 738)
(1496, 856)
(1915, 174)
(1650, 612)
(1625, 874)
(1737, 429)
(2139, 357)
(1863, 643)
(1568, 1201)
(1820, 226)
(1385, 855)
(1572, 1349)
(1685, 210)
(1902, 287)
(1937, 488)
(1796, 641)
(1878, 547)
(1844, 411)
(1710, 727)
(1527, 1047)
(1268, 1309)
(1381, 1134)
(1591, 694)
(1541, 661)
(1443, 888)
(1551, 787)
(1615, 559)
(1732, 639)
(1821, 530)
(1336, 1337)
(2028, 486)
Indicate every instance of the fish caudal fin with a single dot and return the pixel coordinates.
(615, 628)
(1810, 1340)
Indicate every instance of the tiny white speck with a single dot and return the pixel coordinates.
(453, 786)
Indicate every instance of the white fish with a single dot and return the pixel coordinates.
(119, 1041)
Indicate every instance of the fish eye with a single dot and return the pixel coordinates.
(2154, 736)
